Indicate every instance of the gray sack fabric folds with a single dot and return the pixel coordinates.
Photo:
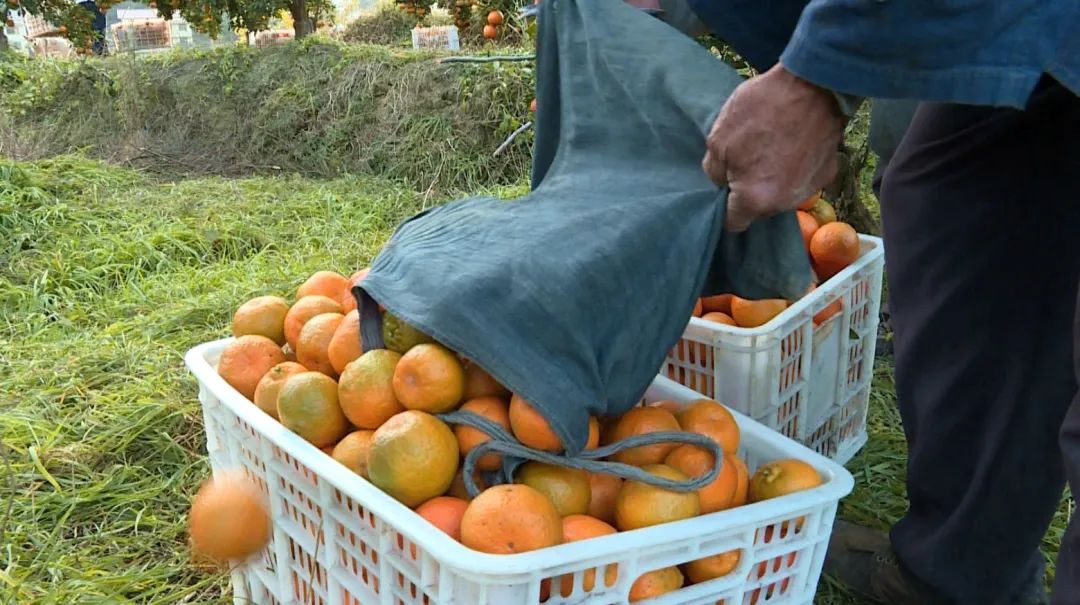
(571, 295)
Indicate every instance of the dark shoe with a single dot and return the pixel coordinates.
(863, 560)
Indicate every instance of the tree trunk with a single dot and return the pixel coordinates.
(844, 191)
(303, 26)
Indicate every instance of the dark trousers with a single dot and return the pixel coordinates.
(98, 25)
(981, 213)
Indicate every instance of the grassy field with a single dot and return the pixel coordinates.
(107, 278)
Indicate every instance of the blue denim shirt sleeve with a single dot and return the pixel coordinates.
(758, 29)
(932, 51)
(961, 51)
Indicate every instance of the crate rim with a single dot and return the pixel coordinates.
(875, 249)
(837, 484)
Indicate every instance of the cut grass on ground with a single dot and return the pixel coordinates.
(106, 279)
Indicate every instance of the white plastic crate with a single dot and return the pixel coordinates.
(37, 27)
(443, 37)
(339, 540)
(141, 35)
(811, 383)
(273, 37)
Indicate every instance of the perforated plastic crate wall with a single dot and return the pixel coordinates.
(339, 540)
(807, 382)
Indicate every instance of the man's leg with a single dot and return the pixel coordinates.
(1067, 580)
(98, 25)
(982, 232)
(889, 120)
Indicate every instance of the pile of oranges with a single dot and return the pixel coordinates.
(831, 244)
(376, 413)
(419, 8)
(494, 21)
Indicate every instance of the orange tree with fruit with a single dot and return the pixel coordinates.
(490, 17)
(208, 16)
(71, 20)
(417, 8)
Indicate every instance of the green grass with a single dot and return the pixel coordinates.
(106, 278)
(316, 107)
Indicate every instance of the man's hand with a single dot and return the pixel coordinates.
(774, 144)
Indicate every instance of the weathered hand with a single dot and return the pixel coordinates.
(774, 144)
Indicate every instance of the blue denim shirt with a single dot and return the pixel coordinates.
(981, 52)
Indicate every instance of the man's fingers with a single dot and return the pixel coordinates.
(715, 167)
(825, 173)
(737, 218)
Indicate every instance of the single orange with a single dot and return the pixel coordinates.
(324, 283)
(348, 301)
(655, 583)
(229, 519)
(829, 312)
(693, 461)
(720, 303)
(833, 309)
(308, 406)
(413, 457)
(457, 486)
(493, 409)
(669, 405)
(352, 451)
(716, 566)
(754, 313)
(642, 505)
(822, 211)
(567, 488)
(809, 202)
(583, 527)
(808, 225)
(304, 310)
(603, 491)
(742, 487)
(445, 513)
(246, 360)
(400, 336)
(833, 247)
(490, 32)
(712, 419)
(429, 378)
(479, 383)
(366, 389)
(264, 316)
(594, 434)
(642, 421)
(719, 318)
(345, 345)
(313, 346)
(495, 18)
(531, 428)
(269, 387)
(782, 477)
(508, 519)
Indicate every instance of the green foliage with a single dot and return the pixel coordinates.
(253, 15)
(317, 108)
(388, 26)
(73, 21)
